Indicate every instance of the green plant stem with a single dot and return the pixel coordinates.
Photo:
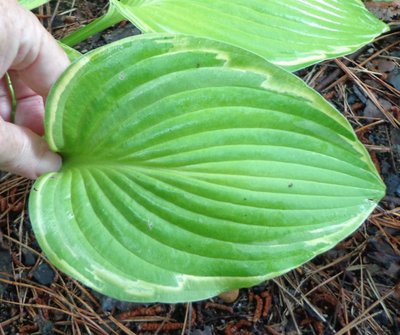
(106, 21)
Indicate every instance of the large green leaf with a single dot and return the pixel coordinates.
(192, 167)
(290, 33)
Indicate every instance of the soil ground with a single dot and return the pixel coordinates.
(351, 289)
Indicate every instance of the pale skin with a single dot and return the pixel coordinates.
(34, 61)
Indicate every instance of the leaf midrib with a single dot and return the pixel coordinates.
(180, 171)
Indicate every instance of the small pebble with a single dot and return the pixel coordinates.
(5, 268)
(393, 185)
(230, 296)
(394, 79)
(385, 65)
(44, 274)
(28, 258)
(46, 327)
(371, 110)
(395, 137)
(69, 19)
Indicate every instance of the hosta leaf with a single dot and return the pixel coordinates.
(31, 4)
(290, 33)
(192, 167)
(71, 52)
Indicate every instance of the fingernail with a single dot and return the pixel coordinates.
(50, 162)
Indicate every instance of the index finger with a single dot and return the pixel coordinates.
(39, 60)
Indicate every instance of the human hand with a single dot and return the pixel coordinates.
(34, 61)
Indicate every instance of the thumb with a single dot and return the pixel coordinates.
(25, 153)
